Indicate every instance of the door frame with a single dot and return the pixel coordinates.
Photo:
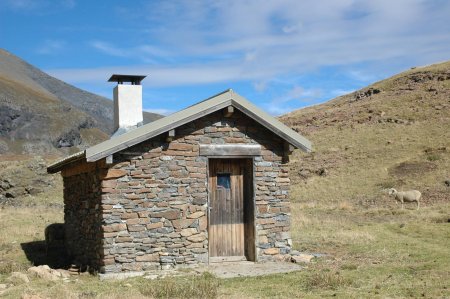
(250, 201)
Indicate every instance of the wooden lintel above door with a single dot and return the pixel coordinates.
(242, 150)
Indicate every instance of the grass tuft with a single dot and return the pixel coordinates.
(7, 267)
(433, 157)
(326, 279)
(203, 286)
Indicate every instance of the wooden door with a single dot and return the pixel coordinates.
(226, 223)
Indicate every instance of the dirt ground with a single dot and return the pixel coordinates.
(241, 269)
(221, 270)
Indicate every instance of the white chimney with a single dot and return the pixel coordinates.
(127, 102)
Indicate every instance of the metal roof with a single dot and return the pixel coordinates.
(57, 165)
(135, 79)
(210, 105)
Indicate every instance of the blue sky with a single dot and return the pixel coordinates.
(282, 55)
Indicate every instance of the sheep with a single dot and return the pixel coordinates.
(406, 196)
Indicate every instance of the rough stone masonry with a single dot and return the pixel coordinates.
(148, 210)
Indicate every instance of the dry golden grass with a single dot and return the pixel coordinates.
(376, 252)
(20, 226)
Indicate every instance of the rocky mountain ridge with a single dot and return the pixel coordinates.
(42, 119)
(40, 114)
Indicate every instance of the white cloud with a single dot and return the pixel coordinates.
(258, 41)
(260, 86)
(109, 49)
(163, 76)
(146, 53)
(277, 110)
(160, 111)
(68, 3)
(361, 75)
(51, 46)
(340, 92)
(272, 44)
(293, 98)
(292, 28)
(37, 6)
(20, 4)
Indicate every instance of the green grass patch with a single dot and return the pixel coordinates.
(203, 286)
(433, 157)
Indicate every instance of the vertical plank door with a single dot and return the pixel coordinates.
(226, 224)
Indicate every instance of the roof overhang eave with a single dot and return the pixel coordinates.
(59, 165)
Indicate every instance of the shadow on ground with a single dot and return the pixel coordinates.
(36, 253)
(50, 251)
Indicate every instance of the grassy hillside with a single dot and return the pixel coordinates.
(394, 133)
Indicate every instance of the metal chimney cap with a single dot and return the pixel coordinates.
(133, 79)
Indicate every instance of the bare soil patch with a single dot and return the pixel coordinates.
(250, 269)
(407, 169)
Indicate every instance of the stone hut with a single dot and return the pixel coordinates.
(207, 184)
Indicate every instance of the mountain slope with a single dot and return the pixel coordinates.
(40, 114)
(43, 116)
(394, 133)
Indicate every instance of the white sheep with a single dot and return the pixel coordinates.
(406, 196)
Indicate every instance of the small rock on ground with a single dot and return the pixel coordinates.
(27, 296)
(151, 276)
(45, 272)
(302, 258)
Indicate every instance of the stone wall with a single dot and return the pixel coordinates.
(83, 215)
(154, 198)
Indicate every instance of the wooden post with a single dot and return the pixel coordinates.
(109, 160)
(288, 148)
(170, 135)
(228, 111)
